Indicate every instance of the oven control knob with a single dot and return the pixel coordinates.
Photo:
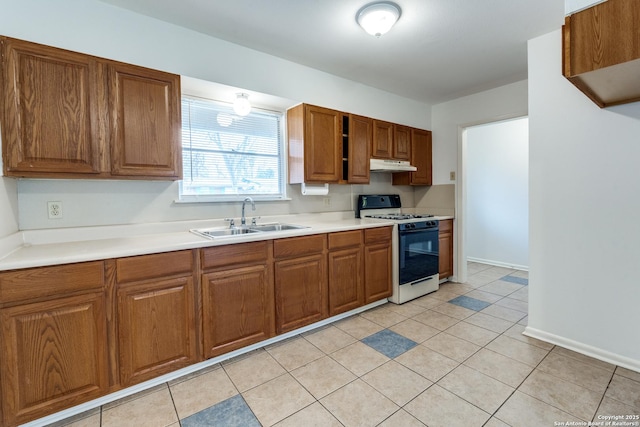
(412, 225)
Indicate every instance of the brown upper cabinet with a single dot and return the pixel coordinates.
(70, 115)
(328, 146)
(401, 142)
(358, 141)
(382, 146)
(145, 131)
(601, 53)
(315, 144)
(421, 158)
(391, 141)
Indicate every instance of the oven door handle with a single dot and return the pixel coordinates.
(421, 230)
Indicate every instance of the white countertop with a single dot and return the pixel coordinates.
(35, 248)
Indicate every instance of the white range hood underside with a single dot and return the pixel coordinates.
(384, 165)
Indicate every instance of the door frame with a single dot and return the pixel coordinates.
(460, 268)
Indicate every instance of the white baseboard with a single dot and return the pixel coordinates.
(498, 263)
(587, 350)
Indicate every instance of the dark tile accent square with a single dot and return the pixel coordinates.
(233, 412)
(389, 343)
(516, 280)
(470, 303)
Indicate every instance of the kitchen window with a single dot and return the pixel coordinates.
(227, 157)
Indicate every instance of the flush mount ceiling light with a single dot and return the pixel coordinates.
(378, 18)
(241, 105)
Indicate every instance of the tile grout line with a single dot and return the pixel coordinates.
(613, 373)
(518, 388)
(173, 402)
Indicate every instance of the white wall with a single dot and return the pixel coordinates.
(584, 189)
(448, 121)
(449, 118)
(497, 202)
(93, 27)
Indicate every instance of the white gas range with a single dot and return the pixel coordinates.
(414, 246)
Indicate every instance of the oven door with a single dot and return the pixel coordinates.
(418, 254)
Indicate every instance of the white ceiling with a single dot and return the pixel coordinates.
(439, 49)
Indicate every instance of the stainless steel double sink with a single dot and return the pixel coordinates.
(213, 233)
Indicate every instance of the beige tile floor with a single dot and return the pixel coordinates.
(469, 367)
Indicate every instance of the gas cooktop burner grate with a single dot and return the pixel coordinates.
(398, 216)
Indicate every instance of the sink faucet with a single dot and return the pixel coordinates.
(243, 220)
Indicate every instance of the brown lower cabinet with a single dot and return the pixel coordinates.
(237, 295)
(155, 315)
(445, 243)
(377, 263)
(301, 289)
(72, 333)
(346, 282)
(53, 335)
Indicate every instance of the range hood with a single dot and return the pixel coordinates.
(383, 165)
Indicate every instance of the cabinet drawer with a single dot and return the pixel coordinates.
(243, 253)
(345, 239)
(377, 234)
(152, 266)
(445, 226)
(32, 283)
(299, 246)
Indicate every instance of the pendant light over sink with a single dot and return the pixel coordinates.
(378, 18)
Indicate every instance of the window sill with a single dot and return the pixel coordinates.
(227, 199)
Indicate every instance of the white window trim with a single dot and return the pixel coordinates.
(229, 198)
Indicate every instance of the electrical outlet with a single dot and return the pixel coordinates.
(327, 201)
(54, 210)
(452, 176)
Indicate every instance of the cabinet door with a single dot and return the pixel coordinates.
(146, 123)
(377, 272)
(322, 144)
(382, 147)
(300, 292)
(238, 308)
(156, 328)
(377, 264)
(401, 142)
(360, 137)
(53, 356)
(445, 242)
(421, 157)
(50, 114)
(346, 290)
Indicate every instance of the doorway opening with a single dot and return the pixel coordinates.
(494, 198)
